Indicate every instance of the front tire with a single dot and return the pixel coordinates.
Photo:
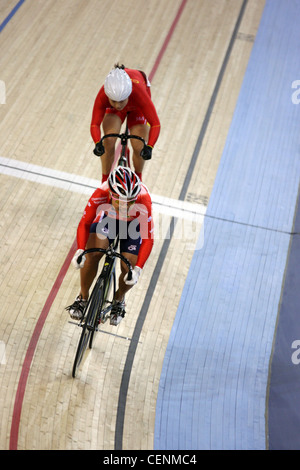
(88, 327)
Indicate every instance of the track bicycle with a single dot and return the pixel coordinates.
(98, 308)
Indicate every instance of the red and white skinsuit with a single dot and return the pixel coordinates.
(100, 203)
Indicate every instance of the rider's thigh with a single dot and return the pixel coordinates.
(142, 130)
(111, 125)
(96, 240)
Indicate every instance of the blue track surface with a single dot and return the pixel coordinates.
(214, 382)
(284, 397)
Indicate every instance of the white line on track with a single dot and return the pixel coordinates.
(81, 184)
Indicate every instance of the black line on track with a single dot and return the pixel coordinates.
(209, 216)
(142, 315)
(56, 178)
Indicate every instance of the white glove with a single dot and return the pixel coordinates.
(75, 258)
(136, 272)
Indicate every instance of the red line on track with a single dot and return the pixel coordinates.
(14, 433)
(31, 349)
(167, 40)
(160, 55)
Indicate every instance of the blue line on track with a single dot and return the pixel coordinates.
(11, 14)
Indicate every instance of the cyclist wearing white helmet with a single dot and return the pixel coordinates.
(121, 206)
(126, 92)
(118, 85)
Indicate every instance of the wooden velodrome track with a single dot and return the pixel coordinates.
(54, 58)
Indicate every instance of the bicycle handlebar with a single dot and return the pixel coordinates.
(111, 252)
(124, 137)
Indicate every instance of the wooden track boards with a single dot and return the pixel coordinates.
(54, 57)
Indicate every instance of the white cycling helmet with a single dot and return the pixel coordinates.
(118, 85)
(124, 183)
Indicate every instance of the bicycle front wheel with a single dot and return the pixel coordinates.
(88, 327)
(98, 308)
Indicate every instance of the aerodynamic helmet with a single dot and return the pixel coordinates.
(124, 183)
(118, 85)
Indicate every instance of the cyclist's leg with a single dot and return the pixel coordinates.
(90, 268)
(111, 125)
(138, 126)
(129, 248)
(122, 287)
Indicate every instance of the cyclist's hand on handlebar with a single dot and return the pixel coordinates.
(99, 149)
(136, 272)
(146, 152)
(75, 259)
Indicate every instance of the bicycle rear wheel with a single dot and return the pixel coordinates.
(88, 328)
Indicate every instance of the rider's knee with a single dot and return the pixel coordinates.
(109, 144)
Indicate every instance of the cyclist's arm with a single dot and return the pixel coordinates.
(147, 232)
(144, 253)
(144, 102)
(99, 197)
(100, 105)
(153, 135)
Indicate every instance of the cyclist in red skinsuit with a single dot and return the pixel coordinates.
(109, 212)
(141, 210)
(125, 91)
